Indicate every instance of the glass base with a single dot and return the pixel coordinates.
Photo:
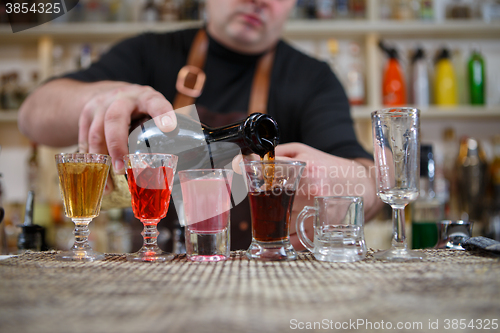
(205, 247)
(271, 251)
(210, 258)
(80, 255)
(150, 255)
(399, 255)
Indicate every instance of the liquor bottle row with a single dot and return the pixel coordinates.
(440, 87)
(462, 186)
(439, 10)
(175, 10)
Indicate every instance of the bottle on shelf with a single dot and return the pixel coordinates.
(170, 11)
(450, 155)
(477, 79)
(427, 209)
(355, 78)
(393, 85)
(325, 9)
(33, 168)
(85, 58)
(471, 180)
(96, 11)
(426, 10)
(3, 234)
(494, 177)
(495, 173)
(150, 12)
(419, 80)
(402, 10)
(445, 80)
(459, 9)
(342, 9)
(3, 95)
(385, 9)
(358, 9)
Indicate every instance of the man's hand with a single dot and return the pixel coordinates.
(104, 122)
(327, 175)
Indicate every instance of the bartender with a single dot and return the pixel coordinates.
(240, 51)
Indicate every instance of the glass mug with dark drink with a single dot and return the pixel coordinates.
(271, 191)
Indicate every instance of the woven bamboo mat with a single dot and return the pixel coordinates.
(39, 294)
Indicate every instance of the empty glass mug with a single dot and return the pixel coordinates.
(338, 229)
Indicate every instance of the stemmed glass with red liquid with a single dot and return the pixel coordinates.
(150, 179)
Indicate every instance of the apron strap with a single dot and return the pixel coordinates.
(191, 77)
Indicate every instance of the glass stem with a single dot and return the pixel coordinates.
(398, 225)
(150, 235)
(81, 233)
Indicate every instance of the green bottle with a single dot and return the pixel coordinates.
(476, 78)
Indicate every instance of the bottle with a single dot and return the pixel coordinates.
(202, 147)
(393, 85)
(3, 236)
(199, 146)
(450, 150)
(476, 78)
(85, 59)
(402, 10)
(420, 79)
(427, 209)
(385, 9)
(445, 82)
(471, 173)
(3, 94)
(325, 9)
(150, 12)
(342, 9)
(355, 78)
(495, 174)
(170, 11)
(358, 8)
(459, 10)
(32, 235)
(494, 220)
(426, 10)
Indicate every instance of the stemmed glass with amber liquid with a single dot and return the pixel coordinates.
(150, 179)
(82, 178)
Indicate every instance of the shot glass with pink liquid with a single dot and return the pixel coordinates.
(207, 200)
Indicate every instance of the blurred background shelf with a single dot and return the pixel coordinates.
(8, 116)
(463, 112)
(294, 29)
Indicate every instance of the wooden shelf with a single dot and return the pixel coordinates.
(466, 112)
(293, 29)
(8, 116)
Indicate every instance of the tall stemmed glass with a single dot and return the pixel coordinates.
(82, 178)
(150, 179)
(397, 161)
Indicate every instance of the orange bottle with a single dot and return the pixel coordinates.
(393, 84)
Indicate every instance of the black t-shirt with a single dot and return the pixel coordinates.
(305, 97)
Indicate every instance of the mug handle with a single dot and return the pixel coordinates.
(307, 212)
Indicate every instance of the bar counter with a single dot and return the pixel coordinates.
(40, 294)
